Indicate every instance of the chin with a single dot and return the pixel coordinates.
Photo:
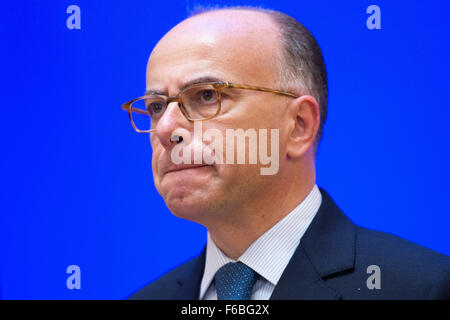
(188, 207)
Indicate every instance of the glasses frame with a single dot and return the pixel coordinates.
(217, 86)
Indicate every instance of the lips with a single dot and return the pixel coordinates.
(184, 167)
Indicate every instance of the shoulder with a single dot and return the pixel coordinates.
(402, 265)
(349, 257)
(173, 284)
(393, 250)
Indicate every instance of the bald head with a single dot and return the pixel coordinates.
(241, 43)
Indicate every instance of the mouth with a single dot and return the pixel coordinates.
(184, 167)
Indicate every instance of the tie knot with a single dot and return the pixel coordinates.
(235, 281)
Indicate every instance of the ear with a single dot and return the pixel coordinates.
(304, 120)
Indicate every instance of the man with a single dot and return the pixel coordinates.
(273, 235)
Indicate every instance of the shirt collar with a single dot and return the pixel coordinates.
(270, 253)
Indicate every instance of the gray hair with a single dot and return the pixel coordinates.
(302, 68)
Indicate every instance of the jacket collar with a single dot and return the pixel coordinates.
(327, 248)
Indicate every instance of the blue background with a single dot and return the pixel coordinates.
(76, 179)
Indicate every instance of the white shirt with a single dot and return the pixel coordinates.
(269, 254)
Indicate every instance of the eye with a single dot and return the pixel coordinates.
(156, 108)
(208, 95)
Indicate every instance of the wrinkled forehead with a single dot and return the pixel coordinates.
(236, 45)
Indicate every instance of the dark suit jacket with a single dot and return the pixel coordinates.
(331, 263)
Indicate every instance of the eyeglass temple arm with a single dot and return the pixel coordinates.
(240, 86)
(127, 107)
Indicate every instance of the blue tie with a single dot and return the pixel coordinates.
(235, 281)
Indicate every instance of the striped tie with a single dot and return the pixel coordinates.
(235, 281)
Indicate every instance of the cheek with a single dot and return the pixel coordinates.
(262, 113)
(154, 166)
(156, 151)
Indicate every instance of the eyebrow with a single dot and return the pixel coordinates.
(202, 79)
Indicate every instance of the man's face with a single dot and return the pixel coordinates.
(239, 47)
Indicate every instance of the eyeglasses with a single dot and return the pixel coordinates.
(198, 102)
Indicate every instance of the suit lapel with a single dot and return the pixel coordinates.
(188, 282)
(327, 247)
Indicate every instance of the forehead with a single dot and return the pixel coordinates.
(234, 45)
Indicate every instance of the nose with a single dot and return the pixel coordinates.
(171, 127)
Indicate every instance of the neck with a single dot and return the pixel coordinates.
(236, 232)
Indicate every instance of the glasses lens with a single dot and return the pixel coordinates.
(201, 102)
(145, 112)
